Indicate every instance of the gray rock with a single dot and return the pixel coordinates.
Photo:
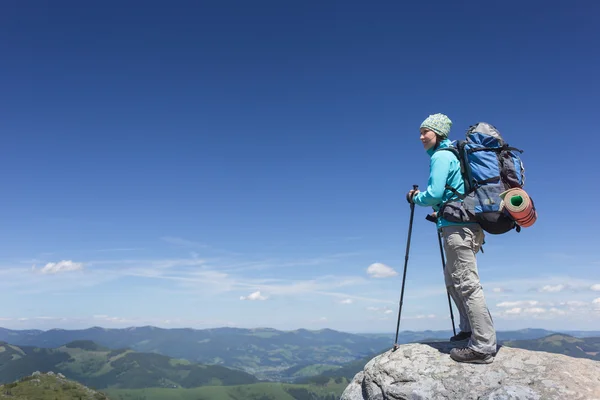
(425, 371)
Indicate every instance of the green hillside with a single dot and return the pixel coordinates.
(257, 391)
(98, 367)
(343, 374)
(266, 353)
(263, 352)
(562, 344)
(48, 387)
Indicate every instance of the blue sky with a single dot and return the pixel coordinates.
(208, 164)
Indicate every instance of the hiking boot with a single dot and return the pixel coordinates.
(468, 355)
(461, 336)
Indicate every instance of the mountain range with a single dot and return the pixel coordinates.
(266, 353)
(127, 374)
(99, 367)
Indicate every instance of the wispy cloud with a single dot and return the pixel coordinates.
(532, 311)
(552, 288)
(379, 270)
(560, 256)
(270, 263)
(118, 249)
(177, 241)
(543, 284)
(424, 316)
(254, 296)
(120, 320)
(61, 266)
(380, 310)
(521, 303)
(195, 245)
(346, 301)
(113, 322)
(544, 309)
(190, 274)
(595, 287)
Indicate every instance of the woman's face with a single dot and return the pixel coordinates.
(428, 138)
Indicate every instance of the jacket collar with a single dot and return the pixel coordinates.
(443, 144)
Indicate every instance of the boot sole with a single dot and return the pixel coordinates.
(477, 361)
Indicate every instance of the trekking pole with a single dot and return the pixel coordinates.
(410, 224)
(431, 218)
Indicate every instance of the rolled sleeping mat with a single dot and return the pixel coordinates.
(520, 206)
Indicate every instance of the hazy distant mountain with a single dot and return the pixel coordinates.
(266, 353)
(587, 347)
(562, 344)
(99, 367)
(261, 352)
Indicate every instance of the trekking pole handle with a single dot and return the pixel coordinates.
(409, 196)
(415, 188)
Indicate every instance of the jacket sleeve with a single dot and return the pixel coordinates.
(439, 168)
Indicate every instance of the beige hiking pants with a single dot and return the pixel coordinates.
(461, 244)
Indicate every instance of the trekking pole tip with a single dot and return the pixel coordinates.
(396, 347)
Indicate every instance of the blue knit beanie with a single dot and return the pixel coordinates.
(439, 123)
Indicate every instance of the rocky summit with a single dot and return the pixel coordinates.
(425, 371)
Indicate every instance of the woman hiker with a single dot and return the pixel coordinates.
(462, 241)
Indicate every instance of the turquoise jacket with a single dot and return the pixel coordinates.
(444, 168)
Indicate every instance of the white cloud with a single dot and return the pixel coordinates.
(428, 316)
(574, 303)
(61, 266)
(118, 320)
(513, 304)
(552, 288)
(253, 296)
(498, 290)
(596, 301)
(526, 310)
(534, 310)
(380, 310)
(346, 301)
(378, 270)
(596, 287)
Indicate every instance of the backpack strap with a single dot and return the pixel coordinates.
(494, 149)
(456, 193)
(462, 172)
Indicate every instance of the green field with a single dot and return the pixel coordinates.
(95, 366)
(48, 387)
(257, 391)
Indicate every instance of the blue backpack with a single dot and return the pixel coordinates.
(489, 166)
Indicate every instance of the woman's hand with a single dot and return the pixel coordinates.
(410, 195)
